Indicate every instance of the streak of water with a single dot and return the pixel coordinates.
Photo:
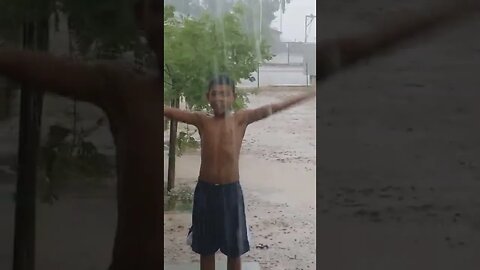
(225, 60)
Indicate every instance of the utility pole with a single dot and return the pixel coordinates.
(308, 23)
(260, 36)
(172, 148)
(288, 53)
(281, 21)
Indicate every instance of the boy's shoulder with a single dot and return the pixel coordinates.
(241, 115)
(240, 112)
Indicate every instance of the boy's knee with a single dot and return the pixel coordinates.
(207, 257)
(233, 259)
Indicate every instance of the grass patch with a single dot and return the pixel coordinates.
(179, 199)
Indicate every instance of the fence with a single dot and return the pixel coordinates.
(285, 69)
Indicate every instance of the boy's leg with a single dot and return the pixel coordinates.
(207, 262)
(204, 229)
(234, 263)
(234, 228)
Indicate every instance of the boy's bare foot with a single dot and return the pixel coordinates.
(207, 262)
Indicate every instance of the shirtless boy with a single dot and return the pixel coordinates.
(132, 104)
(218, 209)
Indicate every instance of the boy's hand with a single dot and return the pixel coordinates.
(253, 115)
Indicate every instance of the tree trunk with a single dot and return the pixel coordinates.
(172, 148)
(35, 37)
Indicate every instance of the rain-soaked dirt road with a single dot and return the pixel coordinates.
(278, 178)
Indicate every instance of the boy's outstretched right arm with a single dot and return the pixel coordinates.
(191, 118)
(96, 83)
(252, 115)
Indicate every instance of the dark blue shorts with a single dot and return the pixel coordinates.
(218, 220)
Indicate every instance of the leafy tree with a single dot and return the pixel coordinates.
(198, 48)
(188, 7)
(256, 19)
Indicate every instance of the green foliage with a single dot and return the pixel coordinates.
(257, 18)
(260, 16)
(180, 198)
(241, 101)
(198, 48)
(181, 193)
(185, 141)
(188, 7)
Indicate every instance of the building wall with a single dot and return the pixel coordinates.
(277, 75)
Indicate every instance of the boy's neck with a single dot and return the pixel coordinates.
(223, 115)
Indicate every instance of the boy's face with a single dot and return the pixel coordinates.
(221, 98)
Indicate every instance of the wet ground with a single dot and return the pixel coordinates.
(219, 266)
(399, 146)
(278, 177)
(77, 231)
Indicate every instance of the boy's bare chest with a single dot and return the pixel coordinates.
(224, 134)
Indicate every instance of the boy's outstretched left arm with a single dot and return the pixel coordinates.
(192, 118)
(253, 115)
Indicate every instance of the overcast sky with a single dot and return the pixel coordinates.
(293, 25)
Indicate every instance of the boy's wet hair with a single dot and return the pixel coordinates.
(221, 79)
